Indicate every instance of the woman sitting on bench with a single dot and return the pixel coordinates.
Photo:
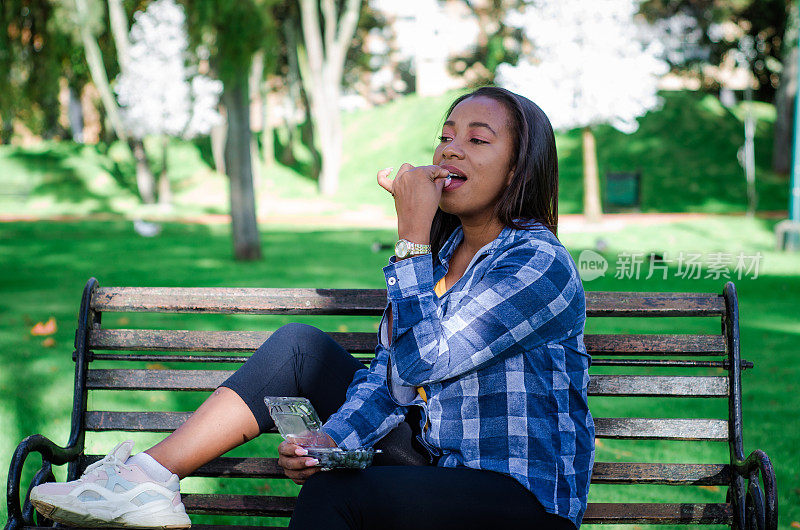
(476, 395)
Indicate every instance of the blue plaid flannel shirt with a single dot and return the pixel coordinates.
(502, 360)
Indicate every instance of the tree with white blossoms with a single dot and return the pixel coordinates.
(159, 93)
(594, 62)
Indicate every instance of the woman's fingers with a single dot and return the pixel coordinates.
(384, 180)
(432, 172)
(297, 466)
(439, 173)
(388, 184)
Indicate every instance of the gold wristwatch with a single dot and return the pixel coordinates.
(405, 249)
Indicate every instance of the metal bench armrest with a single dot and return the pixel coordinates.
(52, 454)
(761, 508)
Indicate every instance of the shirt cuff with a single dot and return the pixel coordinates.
(341, 433)
(409, 277)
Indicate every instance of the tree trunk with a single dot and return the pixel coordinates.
(246, 243)
(784, 114)
(293, 100)
(267, 141)
(75, 115)
(164, 189)
(592, 209)
(321, 63)
(6, 128)
(97, 69)
(254, 89)
(145, 181)
(218, 137)
(118, 21)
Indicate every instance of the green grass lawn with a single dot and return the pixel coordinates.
(685, 151)
(45, 265)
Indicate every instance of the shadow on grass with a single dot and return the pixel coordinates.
(58, 177)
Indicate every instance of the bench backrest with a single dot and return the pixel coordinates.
(651, 427)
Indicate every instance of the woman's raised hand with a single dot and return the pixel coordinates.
(416, 192)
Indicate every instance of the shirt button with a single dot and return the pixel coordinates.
(392, 280)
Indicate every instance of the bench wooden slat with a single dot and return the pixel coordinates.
(657, 473)
(658, 386)
(364, 342)
(364, 301)
(238, 504)
(366, 359)
(658, 429)
(658, 513)
(268, 301)
(200, 380)
(600, 385)
(98, 420)
(208, 341)
(616, 513)
(224, 466)
(620, 304)
(622, 428)
(603, 472)
(655, 344)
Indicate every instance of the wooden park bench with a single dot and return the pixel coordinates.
(624, 363)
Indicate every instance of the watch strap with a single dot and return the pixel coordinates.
(405, 248)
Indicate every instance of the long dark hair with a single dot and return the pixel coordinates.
(533, 192)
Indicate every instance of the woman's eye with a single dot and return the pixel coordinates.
(478, 141)
(444, 138)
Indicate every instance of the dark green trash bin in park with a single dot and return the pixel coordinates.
(623, 191)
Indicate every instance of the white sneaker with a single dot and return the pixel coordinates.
(111, 493)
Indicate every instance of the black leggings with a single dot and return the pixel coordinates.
(399, 491)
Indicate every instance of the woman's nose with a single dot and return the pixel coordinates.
(452, 149)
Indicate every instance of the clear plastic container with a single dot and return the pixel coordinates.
(298, 422)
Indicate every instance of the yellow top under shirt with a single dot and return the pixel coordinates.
(440, 288)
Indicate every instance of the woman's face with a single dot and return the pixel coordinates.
(477, 144)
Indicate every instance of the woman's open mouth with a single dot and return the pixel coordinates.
(454, 179)
(453, 182)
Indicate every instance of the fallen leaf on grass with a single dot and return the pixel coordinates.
(709, 488)
(342, 328)
(42, 329)
(156, 366)
(795, 524)
(123, 321)
(49, 342)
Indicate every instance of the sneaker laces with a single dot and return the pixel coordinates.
(109, 460)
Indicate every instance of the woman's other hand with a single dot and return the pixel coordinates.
(295, 462)
(416, 191)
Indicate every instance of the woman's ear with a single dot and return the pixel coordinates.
(510, 176)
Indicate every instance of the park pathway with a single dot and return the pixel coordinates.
(374, 218)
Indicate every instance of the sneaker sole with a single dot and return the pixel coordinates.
(60, 515)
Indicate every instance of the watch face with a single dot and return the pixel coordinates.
(401, 249)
